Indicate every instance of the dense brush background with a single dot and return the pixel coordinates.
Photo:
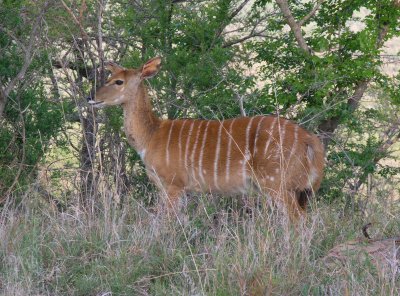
(77, 212)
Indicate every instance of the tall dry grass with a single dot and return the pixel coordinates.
(217, 246)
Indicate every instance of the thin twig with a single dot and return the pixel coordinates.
(311, 13)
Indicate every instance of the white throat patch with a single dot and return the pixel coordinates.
(142, 154)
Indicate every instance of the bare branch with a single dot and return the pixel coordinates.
(230, 17)
(85, 36)
(74, 18)
(252, 34)
(328, 126)
(238, 9)
(100, 40)
(389, 137)
(29, 50)
(311, 13)
(12, 35)
(294, 26)
(359, 90)
(241, 105)
(82, 10)
(83, 71)
(23, 157)
(240, 40)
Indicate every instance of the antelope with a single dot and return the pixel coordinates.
(271, 153)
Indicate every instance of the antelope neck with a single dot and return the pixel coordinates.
(140, 122)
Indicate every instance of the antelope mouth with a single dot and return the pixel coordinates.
(96, 104)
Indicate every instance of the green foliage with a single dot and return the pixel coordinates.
(322, 83)
(195, 79)
(202, 75)
(220, 247)
(30, 121)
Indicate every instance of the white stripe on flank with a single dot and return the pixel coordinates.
(256, 137)
(282, 133)
(187, 144)
(169, 139)
(194, 150)
(228, 154)
(217, 151)
(201, 173)
(246, 152)
(270, 135)
(180, 142)
(294, 146)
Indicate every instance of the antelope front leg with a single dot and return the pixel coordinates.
(170, 204)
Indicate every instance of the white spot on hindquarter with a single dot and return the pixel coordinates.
(216, 159)
(201, 172)
(169, 140)
(228, 154)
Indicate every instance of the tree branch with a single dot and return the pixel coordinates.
(100, 41)
(294, 26)
(390, 136)
(311, 13)
(85, 36)
(238, 9)
(82, 70)
(252, 34)
(328, 126)
(240, 40)
(23, 157)
(29, 51)
(230, 17)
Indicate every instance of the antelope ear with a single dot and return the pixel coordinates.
(151, 68)
(113, 67)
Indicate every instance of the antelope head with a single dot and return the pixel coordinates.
(123, 83)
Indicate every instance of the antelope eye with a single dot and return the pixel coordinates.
(119, 82)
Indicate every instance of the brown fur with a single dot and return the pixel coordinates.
(218, 156)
